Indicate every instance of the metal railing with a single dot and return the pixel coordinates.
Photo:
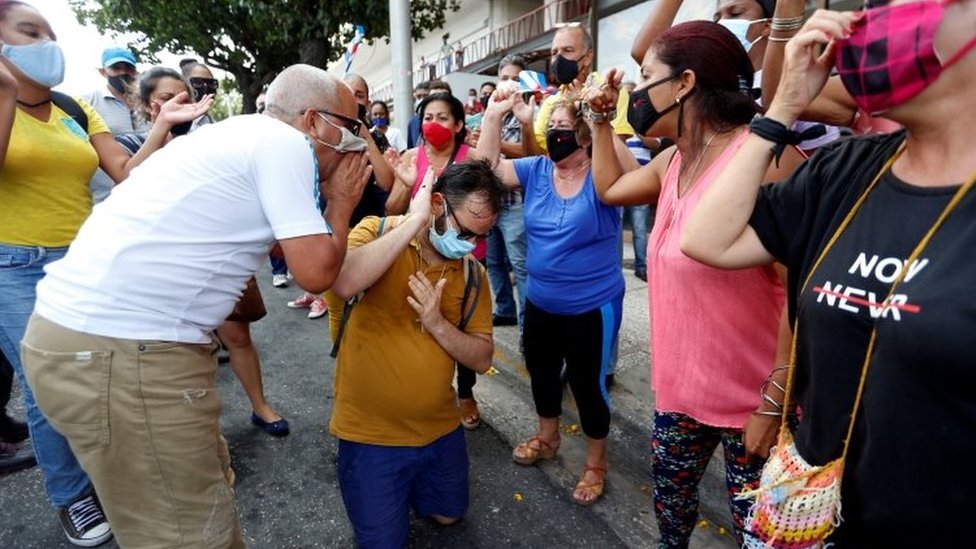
(505, 38)
(524, 28)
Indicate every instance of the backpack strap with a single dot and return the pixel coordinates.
(347, 308)
(472, 277)
(68, 104)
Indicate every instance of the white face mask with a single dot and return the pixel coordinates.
(349, 142)
(740, 28)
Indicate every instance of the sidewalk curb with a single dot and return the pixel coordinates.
(627, 508)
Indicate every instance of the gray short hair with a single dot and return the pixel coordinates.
(512, 59)
(299, 88)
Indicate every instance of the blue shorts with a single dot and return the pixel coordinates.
(380, 483)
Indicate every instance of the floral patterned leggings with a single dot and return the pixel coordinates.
(682, 447)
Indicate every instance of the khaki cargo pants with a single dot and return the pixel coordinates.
(142, 419)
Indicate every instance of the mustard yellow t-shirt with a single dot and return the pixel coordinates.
(44, 195)
(619, 123)
(393, 381)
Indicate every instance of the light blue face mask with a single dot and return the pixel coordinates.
(42, 62)
(740, 28)
(449, 244)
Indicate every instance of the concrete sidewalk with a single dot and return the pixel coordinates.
(627, 507)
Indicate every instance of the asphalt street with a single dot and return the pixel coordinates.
(288, 497)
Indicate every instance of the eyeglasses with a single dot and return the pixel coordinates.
(350, 124)
(200, 82)
(464, 233)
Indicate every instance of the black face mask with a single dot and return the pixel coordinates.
(565, 70)
(362, 113)
(484, 101)
(181, 129)
(561, 143)
(121, 82)
(641, 113)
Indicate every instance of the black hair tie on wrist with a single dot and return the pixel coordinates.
(781, 136)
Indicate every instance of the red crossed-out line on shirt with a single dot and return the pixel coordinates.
(907, 307)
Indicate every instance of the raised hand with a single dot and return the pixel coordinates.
(426, 300)
(8, 82)
(179, 109)
(345, 186)
(602, 98)
(420, 203)
(524, 112)
(805, 68)
(405, 171)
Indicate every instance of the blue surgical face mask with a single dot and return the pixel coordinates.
(740, 28)
(449, 244)
(42, 62)
(381, 122)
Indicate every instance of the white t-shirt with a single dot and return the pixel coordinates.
(168, 254)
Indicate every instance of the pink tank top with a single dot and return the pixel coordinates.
(481, 249)
(713, 332)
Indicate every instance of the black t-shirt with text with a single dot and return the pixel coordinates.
(905, 483)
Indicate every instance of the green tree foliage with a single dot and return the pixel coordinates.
(254, 39)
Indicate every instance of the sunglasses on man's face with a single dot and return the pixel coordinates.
(464, 233)
(200, 82)
(350, 124)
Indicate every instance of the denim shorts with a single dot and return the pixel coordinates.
(381, 483)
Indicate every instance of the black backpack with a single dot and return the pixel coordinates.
(67, 104)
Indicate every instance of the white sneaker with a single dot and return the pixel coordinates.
(279, 280)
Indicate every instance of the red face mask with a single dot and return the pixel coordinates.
(890, 57)
(436, 135)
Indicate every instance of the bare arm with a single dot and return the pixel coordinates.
(8, 110)
(512, 150)
(616, 176)
(660, 20)
(315, 260)
(115, 160)
(833, 105)
(489, 144)
(381, 168)
(718, 232)
(366, 264)
(760, 430)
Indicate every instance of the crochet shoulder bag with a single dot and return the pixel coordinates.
(797, 505)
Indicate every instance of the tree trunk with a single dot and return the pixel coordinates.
(314, 52)
(250, 88)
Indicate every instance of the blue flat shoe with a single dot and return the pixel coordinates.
(274, 428)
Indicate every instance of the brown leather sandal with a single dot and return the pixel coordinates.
(530, 455)
(593, 488)
(470, 416)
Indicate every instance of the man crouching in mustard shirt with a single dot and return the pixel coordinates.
(400, 440)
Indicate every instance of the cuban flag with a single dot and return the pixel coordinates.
(353, 46)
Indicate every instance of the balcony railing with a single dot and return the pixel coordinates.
(505, 38)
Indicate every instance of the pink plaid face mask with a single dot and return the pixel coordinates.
(890, 57)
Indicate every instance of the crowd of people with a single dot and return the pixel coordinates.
(805, 272)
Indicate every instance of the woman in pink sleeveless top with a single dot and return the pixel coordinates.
(713, 333)
(444, 132)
